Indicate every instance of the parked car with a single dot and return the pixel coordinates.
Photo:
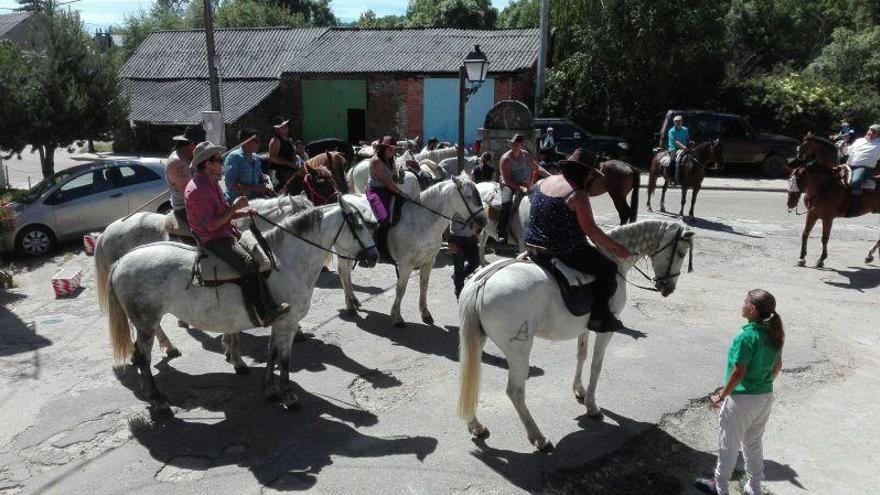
(570, 136)
(741, 144)
(82, 199)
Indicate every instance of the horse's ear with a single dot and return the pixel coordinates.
(456, 180)
(687, 234)
(809, 134)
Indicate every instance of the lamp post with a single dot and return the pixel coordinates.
(474, 68)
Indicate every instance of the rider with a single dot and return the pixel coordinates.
(846, 134)
(678, 138)
(517, 171)
(561, 214)
(863, 156)
(483, 171)
(282, 158)
(381, 186)
(431, 145)
(210, 218)
(243, 174)
(413, 166)
(549, 140)
(178, 171)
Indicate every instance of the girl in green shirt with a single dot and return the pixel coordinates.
(753, 362)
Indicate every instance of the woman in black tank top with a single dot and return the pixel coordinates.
(561, 219)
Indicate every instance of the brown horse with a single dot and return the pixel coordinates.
(693, 172)
(322, 171)
(826, 195)
(620, 178)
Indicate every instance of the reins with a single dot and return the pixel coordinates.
(668, 275)
(471, 213)
(314, 244)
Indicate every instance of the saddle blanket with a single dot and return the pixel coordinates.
(213, 269)
(574, 285)
(666, 160)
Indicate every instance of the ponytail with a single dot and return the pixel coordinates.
(765, 303)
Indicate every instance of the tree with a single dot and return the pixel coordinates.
(15, 93)
(250, 13)
(462, 14)
(520, 14)
(369, 20)
(316, 12)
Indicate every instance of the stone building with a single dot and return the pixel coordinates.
(350, 84)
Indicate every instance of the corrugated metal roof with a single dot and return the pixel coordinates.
(9, 21)
(342, 50)
(241, 53)
(182, 101)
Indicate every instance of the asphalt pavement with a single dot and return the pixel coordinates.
(377, 403)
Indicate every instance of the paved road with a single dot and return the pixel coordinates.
(377, 412)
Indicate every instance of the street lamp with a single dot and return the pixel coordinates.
(474, 67)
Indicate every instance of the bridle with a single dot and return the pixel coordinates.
(348, 220)
(668, 275)
(471, 213)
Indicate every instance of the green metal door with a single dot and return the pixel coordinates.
(326, 105)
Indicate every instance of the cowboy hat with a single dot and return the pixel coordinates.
(517, 138)
(582, 158)
(247, 135)
(282, 122)
(192, 134)
(204, 151)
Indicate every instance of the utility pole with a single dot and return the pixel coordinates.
(543, 28)
(214, 80)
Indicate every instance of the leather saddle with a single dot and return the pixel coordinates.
(574, 285)
(210, 270)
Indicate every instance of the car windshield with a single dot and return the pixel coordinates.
(44, 185)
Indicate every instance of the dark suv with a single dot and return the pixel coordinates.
(741, 144)
(570, 136)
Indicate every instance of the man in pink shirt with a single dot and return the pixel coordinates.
(210, 218)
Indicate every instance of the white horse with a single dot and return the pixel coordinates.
(125, 234)
(438, 155)
(513, 302)
(490, 193)
(358, 176)
(415, 240)
(156, 279)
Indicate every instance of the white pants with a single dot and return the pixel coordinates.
(743, 419)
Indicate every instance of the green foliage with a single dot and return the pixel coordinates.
(520, 14)
(793, 104)
(462, 14)
(369, 20)
(251, 13)
(16, 88)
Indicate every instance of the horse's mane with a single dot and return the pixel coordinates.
(431, 194)
(823, 142)
(284, 205)
(643, 236)
(302, 223)
(320, 160)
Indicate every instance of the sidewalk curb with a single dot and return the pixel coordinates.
(730, 188)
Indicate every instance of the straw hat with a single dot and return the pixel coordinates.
(204, 151)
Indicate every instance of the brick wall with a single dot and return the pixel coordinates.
(520, 87)
(411, 121)
(285, 101)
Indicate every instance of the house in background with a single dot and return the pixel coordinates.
(25, 29)
(351, 84)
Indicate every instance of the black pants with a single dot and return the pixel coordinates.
(253, 286)
(465, 261)
(589, 260)
(182, 216)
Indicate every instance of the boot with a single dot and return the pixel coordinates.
(503, 218)
(380, 237)
(855, 203)
(267, 308)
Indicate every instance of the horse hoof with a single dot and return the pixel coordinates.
(801, 262)
(303, 336)
(579, 396)
(290, 401)
(172, 353)
(480, 432)
(869, 259)
(649, 208)
(546, 448)
(182, 324)
(399, 324)
(820, 264)
(161, 412)
(242, 370)
(428, 319)
(662, 209)
(594, 412)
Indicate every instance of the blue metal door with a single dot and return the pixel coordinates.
(440, 112)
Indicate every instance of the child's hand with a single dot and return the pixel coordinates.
(452, 248)
(715, 402)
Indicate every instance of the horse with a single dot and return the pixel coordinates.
(327, 165)
(358, 176)
(693, 172)
(315, 148)
(415, 240)
(826, 195)
(156, 279)
(511, 302)
(870, 257)
(142, 228)
(437, 155)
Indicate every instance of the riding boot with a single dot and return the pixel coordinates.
(677, 174)
(503, 220)
(380, 237)
(855, 203)
(250, 291)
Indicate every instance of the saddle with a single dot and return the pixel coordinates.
(211, 270)
(574, 285)
(667, 159)
(175, 227)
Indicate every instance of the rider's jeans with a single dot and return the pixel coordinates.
(859, 175)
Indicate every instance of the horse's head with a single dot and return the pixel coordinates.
(356, 240)
(469, 204)
(813, 147)
(810, 180)
(716, 151)
(677, 242)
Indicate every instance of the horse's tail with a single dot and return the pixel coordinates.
(634, 200)
(102, 269)
(120, 331)
(470, 351)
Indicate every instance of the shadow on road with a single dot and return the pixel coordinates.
(628, 457)
(860, 278)
(17, 336)
(283, 450)
(425, 339)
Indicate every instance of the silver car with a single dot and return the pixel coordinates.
(82, 199)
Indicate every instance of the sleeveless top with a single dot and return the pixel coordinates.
(520, 171)
(553, 225)
(389, 171)
(285, 152)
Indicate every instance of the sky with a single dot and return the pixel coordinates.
(103, 13)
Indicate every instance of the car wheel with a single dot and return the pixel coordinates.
(34, 241)
(774, 166)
